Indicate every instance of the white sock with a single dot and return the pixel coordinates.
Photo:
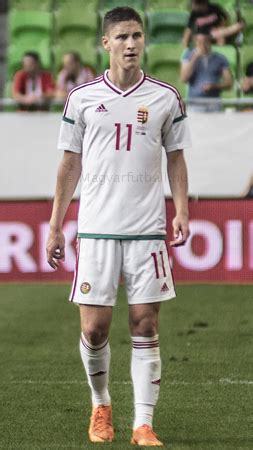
(146, 376)
(96, 361)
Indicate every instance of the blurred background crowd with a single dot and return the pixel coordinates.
(203, 48)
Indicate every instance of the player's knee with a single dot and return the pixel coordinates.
(95, 335)
(143, 326)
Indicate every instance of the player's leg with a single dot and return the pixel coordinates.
(94, 290)
(146, 362)
(96, 355)
(95, 350)
(148, 282)
(145, 369)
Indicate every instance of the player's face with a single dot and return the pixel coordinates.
(125, 43)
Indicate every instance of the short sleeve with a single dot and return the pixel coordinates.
(224, 62)
(175, 131)
(186, 55)
(18, 82)
(73, 126)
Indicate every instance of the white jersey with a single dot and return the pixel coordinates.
(120, 135)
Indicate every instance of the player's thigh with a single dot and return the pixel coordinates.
(147, 272)
(97, 272)
(144, 319)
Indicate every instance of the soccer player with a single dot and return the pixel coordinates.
(112, 134)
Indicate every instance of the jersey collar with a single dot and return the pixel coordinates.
(119, 91)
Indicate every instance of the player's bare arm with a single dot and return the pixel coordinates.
(178, 179)
(67, 178)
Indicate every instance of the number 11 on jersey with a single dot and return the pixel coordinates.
(118, 135)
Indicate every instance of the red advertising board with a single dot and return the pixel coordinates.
(220, 248)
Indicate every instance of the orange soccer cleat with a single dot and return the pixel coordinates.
(101, 429)
(145, 436)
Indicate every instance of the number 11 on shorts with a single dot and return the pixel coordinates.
(155, 260)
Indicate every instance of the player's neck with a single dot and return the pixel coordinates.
(124, 79)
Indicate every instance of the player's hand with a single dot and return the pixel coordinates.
(55, 248)
(181, 230)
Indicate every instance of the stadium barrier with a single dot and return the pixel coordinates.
(220, 247)
(220, 161)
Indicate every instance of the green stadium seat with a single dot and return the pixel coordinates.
(7, 89)
(168, 4)
(169, 74)
(163, 62)
(156, 53)
(228, 5)
(246, 56)
(21, 22)
(76, 30)
(29, 31)
(248, 31)
(230, 52)
(166, 26)
(103, 60)
(84, 44)
(68, 19)
(42, 5)
(106, 5)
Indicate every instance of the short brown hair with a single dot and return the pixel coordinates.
(120, 14)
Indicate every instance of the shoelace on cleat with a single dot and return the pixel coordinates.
(101, 419)
(150, 432)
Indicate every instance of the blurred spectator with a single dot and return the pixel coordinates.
(207, 73)
(210, 18)
(72, 74)
(33, 87)
(247, 82)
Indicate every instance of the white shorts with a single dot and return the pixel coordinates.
(144, 265)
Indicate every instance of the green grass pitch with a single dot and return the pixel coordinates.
(206, 398)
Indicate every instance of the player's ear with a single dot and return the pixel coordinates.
(105, 43)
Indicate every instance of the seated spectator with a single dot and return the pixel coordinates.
(247, 82)
(210, 18)
(206, 72)
(33, 87)
(72, 74)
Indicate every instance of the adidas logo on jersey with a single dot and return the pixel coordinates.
(164, 288)
(101, 108)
